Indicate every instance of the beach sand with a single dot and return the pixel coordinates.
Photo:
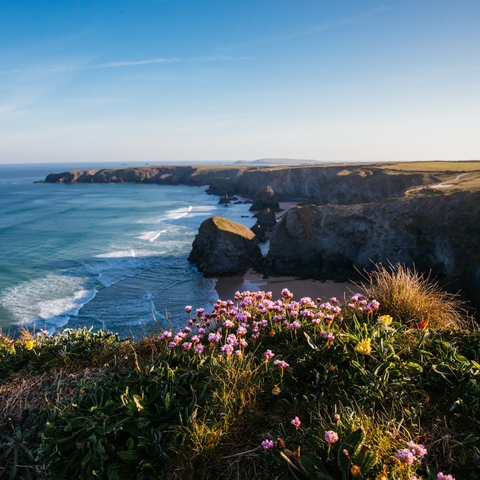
(227, 286)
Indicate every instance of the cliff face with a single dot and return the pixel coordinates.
(439, 233)
(320, 185)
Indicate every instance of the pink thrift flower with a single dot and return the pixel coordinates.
(199, 348)
(405, 456)
(269, 354)
(188, 308)
(241, 331)
(315, 321)
(331, 437)
(195, 339)
(281, 364)
(172, 345)
(187, 345)
(296, 422)
(238, 353)
(420, 450)
(228, 324)
(441, 476)
(267, 444)
(227, 349)
(277, 318)
(243, 342)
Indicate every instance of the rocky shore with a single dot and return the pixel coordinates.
(349, 217)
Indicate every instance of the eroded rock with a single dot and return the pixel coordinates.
(224, 248)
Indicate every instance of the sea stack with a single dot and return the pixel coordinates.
(224, 248)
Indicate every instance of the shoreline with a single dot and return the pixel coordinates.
(227, 286)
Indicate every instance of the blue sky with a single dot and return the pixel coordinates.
(177, 80)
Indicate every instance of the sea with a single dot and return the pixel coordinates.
(111, 256)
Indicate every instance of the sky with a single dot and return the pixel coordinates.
(193, 80)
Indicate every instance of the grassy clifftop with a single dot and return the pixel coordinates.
(383, 386)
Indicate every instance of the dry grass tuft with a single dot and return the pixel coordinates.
(38, 391)
(410, 297)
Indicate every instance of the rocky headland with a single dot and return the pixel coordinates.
(423, 214)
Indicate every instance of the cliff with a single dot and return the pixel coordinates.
(318, 184)
(440, 233)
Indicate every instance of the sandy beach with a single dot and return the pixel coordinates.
(226, 287)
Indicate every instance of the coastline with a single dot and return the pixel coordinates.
(227, 286)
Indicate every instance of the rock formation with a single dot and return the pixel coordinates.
(224, 248)
(265, 198)
(266, 222)
(438, 233)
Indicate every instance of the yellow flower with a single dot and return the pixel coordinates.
(385, 320)
(364, 347)
(29, 344)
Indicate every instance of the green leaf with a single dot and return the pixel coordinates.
(351, 445)
(129, 455)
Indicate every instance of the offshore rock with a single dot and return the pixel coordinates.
(437, 233)
(224, 248)
(265, 198)
(266, 221)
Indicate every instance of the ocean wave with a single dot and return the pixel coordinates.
(151, 236)
(52, 299)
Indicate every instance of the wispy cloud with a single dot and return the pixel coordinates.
(71, 68)
(310, 31)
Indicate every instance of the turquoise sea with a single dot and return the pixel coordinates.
(111, 256)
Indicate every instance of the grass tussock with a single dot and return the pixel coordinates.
(413, 299)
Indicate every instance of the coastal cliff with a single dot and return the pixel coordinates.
(437, 233)
(320, 185)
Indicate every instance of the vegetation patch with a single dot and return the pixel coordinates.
(371, 388)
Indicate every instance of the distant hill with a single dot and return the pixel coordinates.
(279, 161)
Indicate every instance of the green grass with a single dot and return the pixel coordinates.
(90, 405)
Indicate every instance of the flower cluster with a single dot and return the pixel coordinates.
(413, 453)
(232, 325)
(364, 347)
(331, 437)
(441, 476)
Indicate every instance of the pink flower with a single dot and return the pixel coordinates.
(238, 353)
(188, 308)
(441, 476)
(195, 339)
(241, 331)
(296, 422)
(281, 364)
(227, 349)
(243, 342)
(286, 292)
(228, 324)
(277, 318)
(269, 354)
(214, 337)
(331, 437)
(405, 456)
(187, 345)
(199, 348)
(418, 450)
(172, 345)
(267, 444)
